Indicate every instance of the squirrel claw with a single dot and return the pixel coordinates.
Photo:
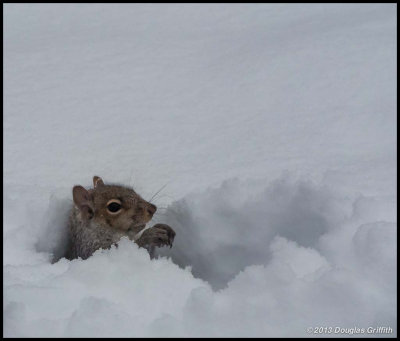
(159, 235)
(168, 230)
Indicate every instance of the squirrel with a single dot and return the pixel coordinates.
(102, 215)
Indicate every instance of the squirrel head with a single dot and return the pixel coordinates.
(113, 206)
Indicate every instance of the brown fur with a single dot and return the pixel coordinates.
(93, 225)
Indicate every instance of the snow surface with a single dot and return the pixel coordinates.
(271, 130)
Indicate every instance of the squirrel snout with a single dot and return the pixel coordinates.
(151, 209)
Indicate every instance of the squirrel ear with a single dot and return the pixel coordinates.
(83, 201)
(97, 181)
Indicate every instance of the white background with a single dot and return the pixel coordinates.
(273, 127)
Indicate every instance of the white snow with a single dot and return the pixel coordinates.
(273, 127)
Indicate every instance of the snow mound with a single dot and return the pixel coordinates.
(274, 128)
(251, 258)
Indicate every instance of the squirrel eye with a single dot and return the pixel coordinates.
(113, 206)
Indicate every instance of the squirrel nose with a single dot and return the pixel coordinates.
(151, 209)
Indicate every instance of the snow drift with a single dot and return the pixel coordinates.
(269, 260)
(273, 127)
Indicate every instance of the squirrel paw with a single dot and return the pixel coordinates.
(159, 235)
